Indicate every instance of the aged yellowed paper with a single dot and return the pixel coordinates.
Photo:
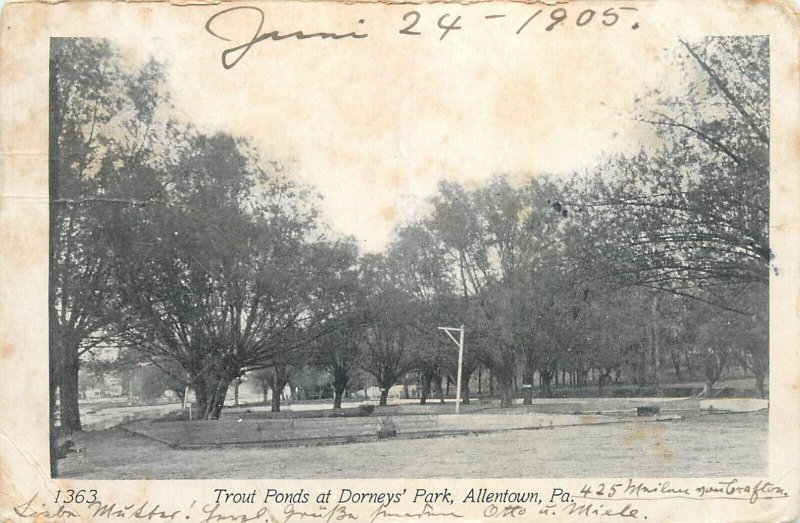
(379, 261)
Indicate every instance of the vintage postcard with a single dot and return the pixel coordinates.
(325, 261)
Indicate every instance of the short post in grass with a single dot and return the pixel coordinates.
(460, 343)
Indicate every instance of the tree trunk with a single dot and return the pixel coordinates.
(714, 366)
(277, 389)
(466, 376)
(264, 391)
(278, 379)
(527, 383)
(426, 380)
(340, 379)
(339, 387)
(656, 345)
(210, 392)
(642, 365)
(710, 380)
(480, 380)
(219, 402)
(68, 389)
(337, 398)
(201, 398)
(506, 386)
(707, 387)
(52, 412)
(687, 356)
(546, 377)
(384, 396)
(675, 355)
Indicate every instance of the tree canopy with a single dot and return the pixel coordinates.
(200, 255)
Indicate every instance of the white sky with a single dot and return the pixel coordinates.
(374, 124)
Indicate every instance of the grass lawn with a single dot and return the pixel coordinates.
(698, 445)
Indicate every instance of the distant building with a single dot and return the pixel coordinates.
(109, 386)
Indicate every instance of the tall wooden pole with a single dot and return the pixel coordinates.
(460, 343)
(460, 364)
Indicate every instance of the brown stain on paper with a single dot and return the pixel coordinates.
(649, 434)
(388, 214)
(6, 350)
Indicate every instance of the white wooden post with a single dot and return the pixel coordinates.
(460, 362)
(460, 343)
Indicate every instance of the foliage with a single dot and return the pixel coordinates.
(692, 217)
(195, 254)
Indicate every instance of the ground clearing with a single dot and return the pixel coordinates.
(716, 444)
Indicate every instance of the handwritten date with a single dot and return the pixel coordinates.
(413, 23)
(558, 16)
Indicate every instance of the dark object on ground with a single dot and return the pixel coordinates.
(64, 449)
(647, 411)
(388, 429)
(366, 410)
(68, 447)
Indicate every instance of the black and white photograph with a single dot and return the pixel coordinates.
(326, 261)
(566, 276)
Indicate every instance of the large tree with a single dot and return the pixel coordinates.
(342, 312)
(103, 119)
(458, 235)
(219, 274)
(390, 341)
(420, 268)
(691, 217)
